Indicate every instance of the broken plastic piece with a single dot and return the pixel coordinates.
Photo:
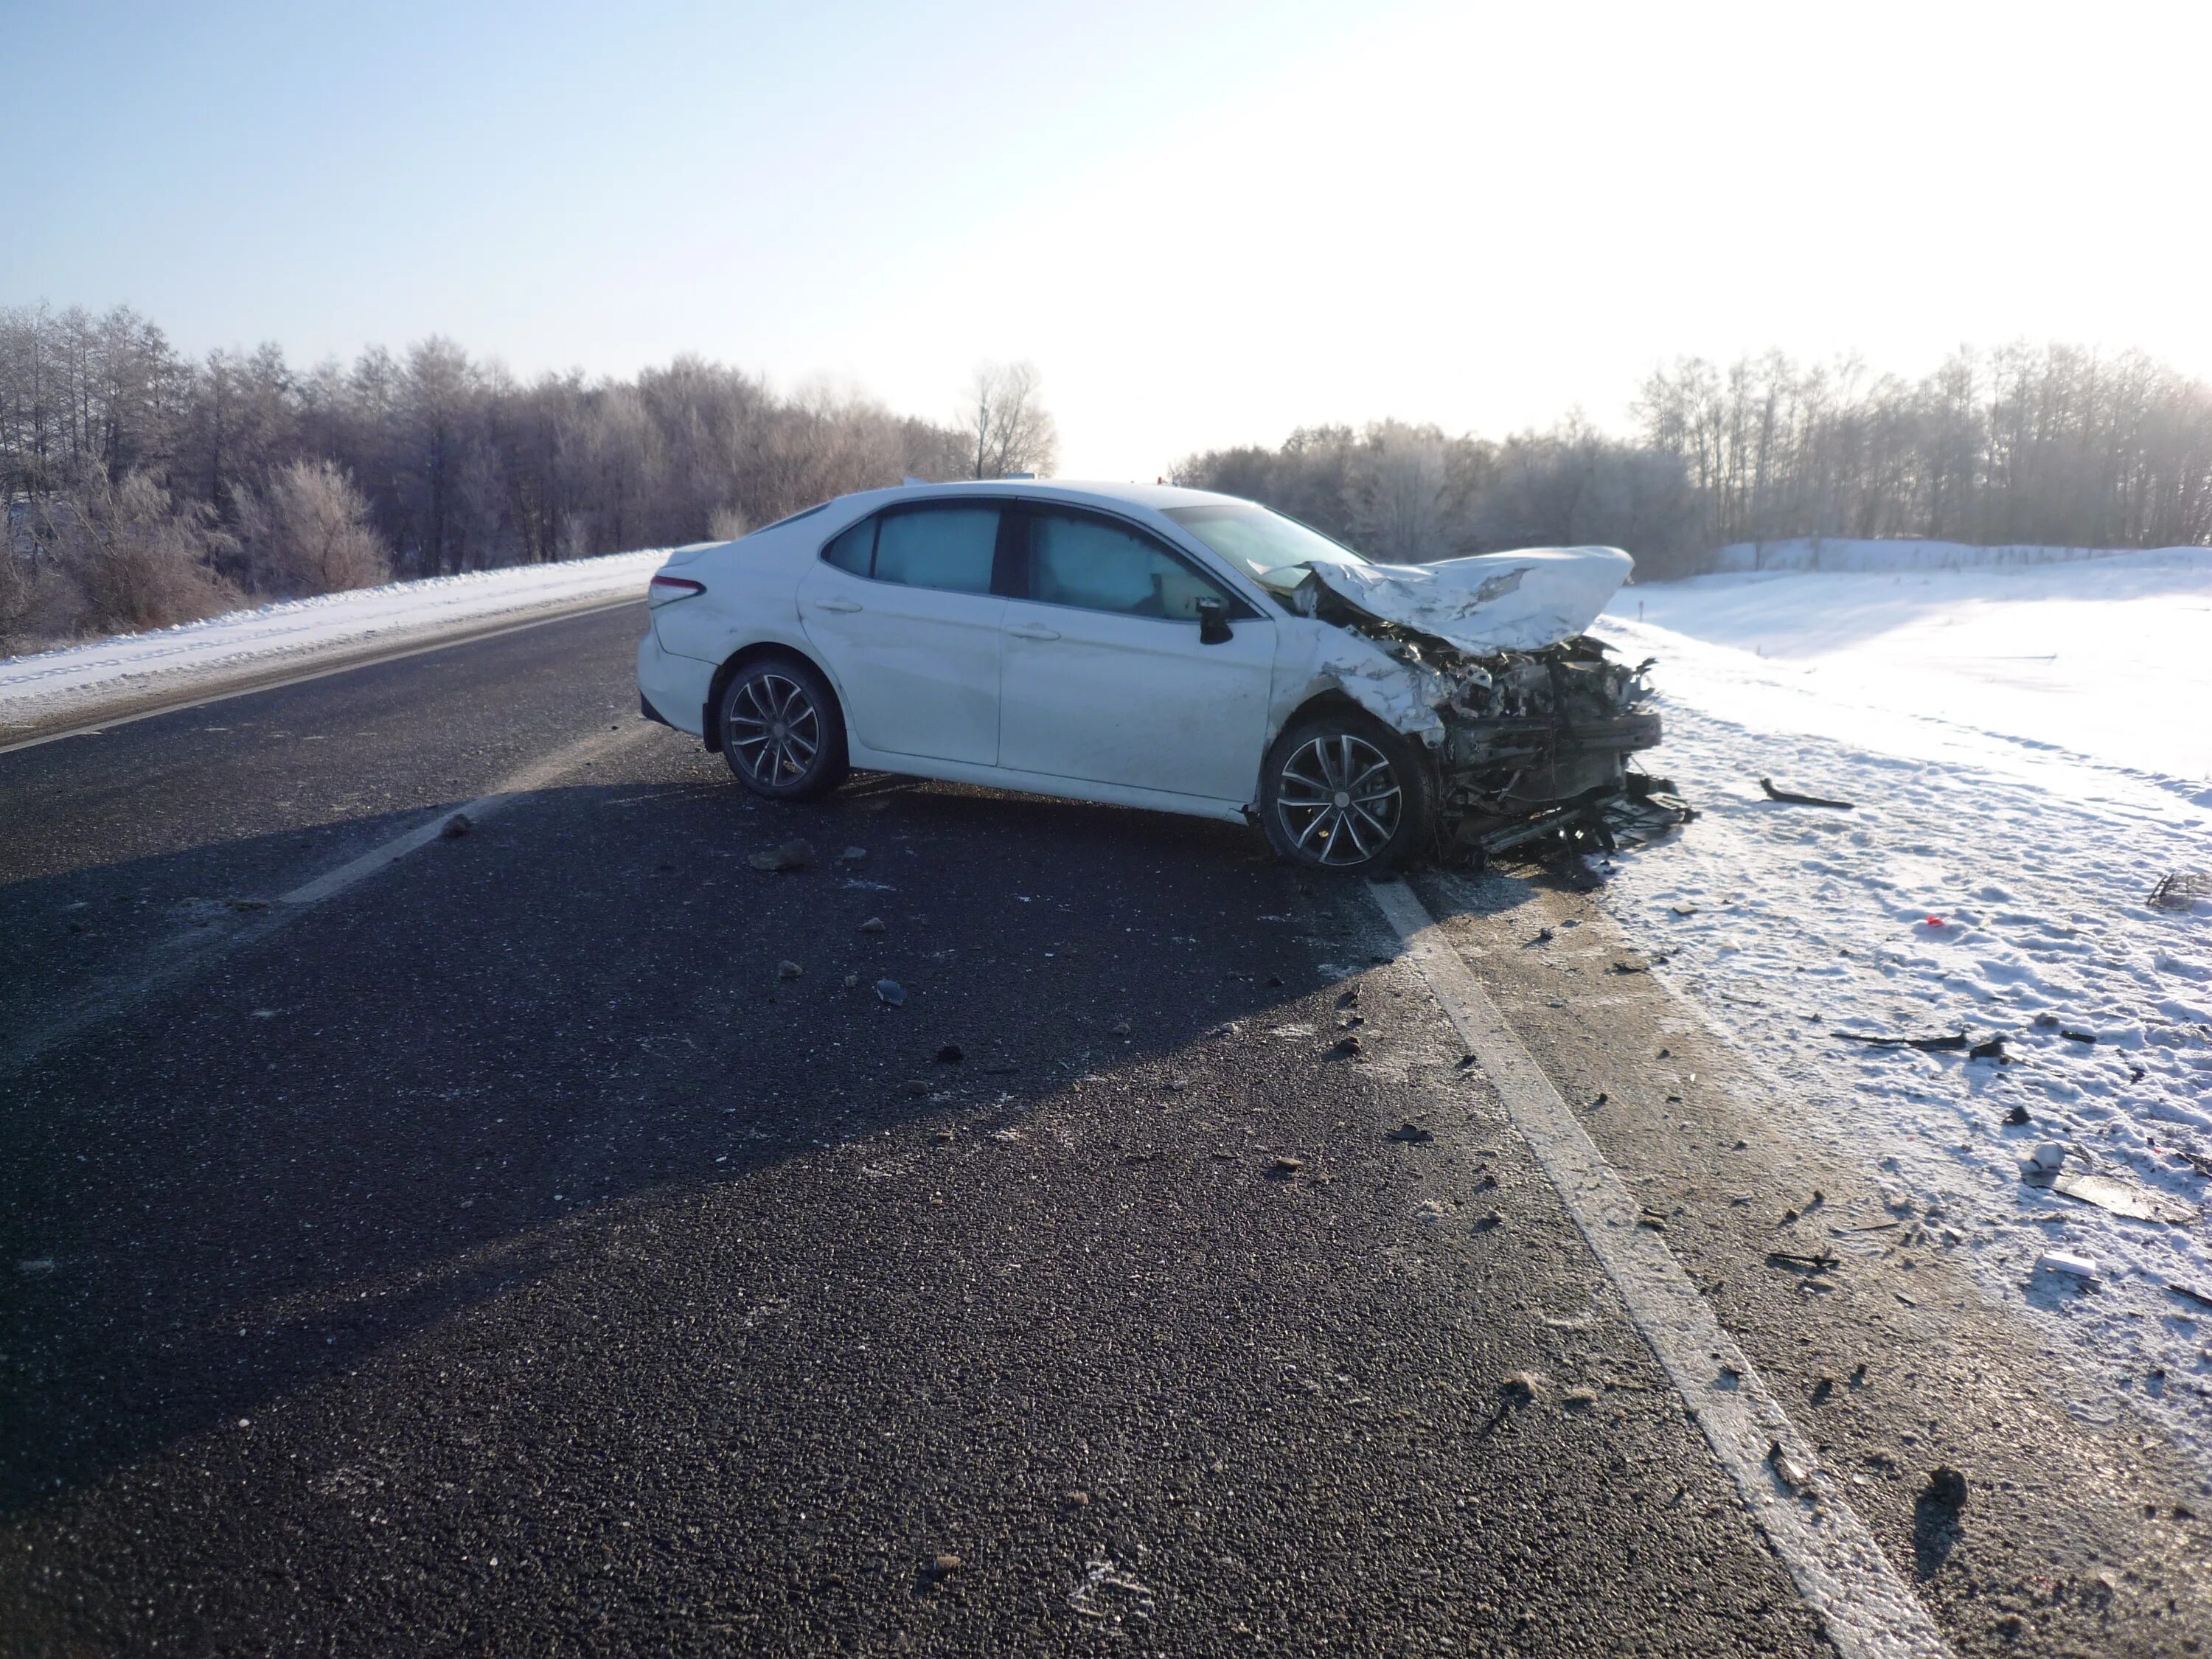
(1791, 798)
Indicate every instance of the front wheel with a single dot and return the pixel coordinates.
(782, 732)
(1342, 791)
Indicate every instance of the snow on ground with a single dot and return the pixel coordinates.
(1844, 553)
(53, 685)
(2028, 750)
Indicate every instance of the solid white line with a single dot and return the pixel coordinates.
(370, 659)
(1839, 1569)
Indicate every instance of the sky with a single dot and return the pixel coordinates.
(1205, 223)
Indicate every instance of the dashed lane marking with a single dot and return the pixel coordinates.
(181, 959)
(1837, 1567)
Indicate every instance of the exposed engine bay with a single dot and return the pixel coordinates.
(1531, 735)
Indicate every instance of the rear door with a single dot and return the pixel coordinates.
(902, 609)
(1102, 675)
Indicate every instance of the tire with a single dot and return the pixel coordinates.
(782, 730)
(1341, 791)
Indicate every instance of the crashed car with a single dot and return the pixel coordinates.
(1154, 647)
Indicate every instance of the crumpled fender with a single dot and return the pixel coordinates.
(1402, 696)
(1487, 603)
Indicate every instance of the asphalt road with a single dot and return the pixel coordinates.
(504, 1254)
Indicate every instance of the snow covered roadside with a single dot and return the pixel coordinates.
(51, 686)
(2030, 750)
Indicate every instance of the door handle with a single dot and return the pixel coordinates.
(836, 605)
(1031, 631)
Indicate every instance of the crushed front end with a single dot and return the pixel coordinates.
(1536, 738)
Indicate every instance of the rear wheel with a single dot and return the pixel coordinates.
(1341, 791)
(782, 732)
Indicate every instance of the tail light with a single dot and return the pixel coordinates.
(664, 588)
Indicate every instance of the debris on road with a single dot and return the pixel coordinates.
(2067, 1262)
(792, 855)
(872, 925)
(951, 1055)
(852, 855)
(1792, 1474)
(1994, 1048)
(457, 826)
(35, 1265)
(1348, 1046)
(890, 993)
(789, 970)
(1411, 1133)
(1940, 1045)
(2071, 1036)
(2201, 1298)
(1821, 1261)
(1284, 1168)
(2122, 1197)
(2044, 1159)
(1120, 1028)
(2018, 1116)
(1520, 1389)
(1945, 1488)
(1791, 798)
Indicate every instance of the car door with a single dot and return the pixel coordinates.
(902, 609)
(1102, 676)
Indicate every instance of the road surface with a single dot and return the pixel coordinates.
(484, 1243)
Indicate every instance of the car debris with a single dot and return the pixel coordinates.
(457, 826)
(1947, 1044)
(2121, 1198)
(2066, 1262)
(890, 993)
(1791, 798)
(2180, 890)
(791, 855)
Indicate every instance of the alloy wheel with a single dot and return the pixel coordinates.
(1339, 798)
(775, 729)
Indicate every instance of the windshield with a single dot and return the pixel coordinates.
(1266, 544)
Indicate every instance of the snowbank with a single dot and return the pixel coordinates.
(40, 689)
(2028, 750)
(1845, 553)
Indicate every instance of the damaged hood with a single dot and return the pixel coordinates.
(1491, 602)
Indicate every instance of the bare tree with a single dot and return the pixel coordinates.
(308, 532)
(1396, 495)
(1006, 420)
(140, 559)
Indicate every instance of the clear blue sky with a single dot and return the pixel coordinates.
(1205, 223)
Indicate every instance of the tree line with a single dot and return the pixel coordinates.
(2053, 446)
(140, 487)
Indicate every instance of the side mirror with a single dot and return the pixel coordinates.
(1212, 622)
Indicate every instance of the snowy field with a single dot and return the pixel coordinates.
(2029, 748)
(51, 685)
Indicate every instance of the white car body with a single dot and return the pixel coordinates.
(1088, 704)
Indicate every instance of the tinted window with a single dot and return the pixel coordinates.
(946, 547)
(1095, 564)
(855, 550)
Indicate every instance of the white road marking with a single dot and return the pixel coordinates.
(531, 778)
(1839, 1569)
(94, 728)
(180, 959)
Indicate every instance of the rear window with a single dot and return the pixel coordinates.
(943, 547)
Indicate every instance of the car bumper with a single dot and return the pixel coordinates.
(672, 689)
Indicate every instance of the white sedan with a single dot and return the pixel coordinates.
(1148, 646)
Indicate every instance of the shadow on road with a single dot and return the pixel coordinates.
(455, 1080)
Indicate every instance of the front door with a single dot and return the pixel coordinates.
(1103, 677)
(902, 609)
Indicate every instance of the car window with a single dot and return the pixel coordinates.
(854, 550)
(1098, 565)
(947, 547)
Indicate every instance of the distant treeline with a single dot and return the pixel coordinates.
(2053, 446)
(140, 488)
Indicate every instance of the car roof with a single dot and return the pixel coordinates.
(1158, 497)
